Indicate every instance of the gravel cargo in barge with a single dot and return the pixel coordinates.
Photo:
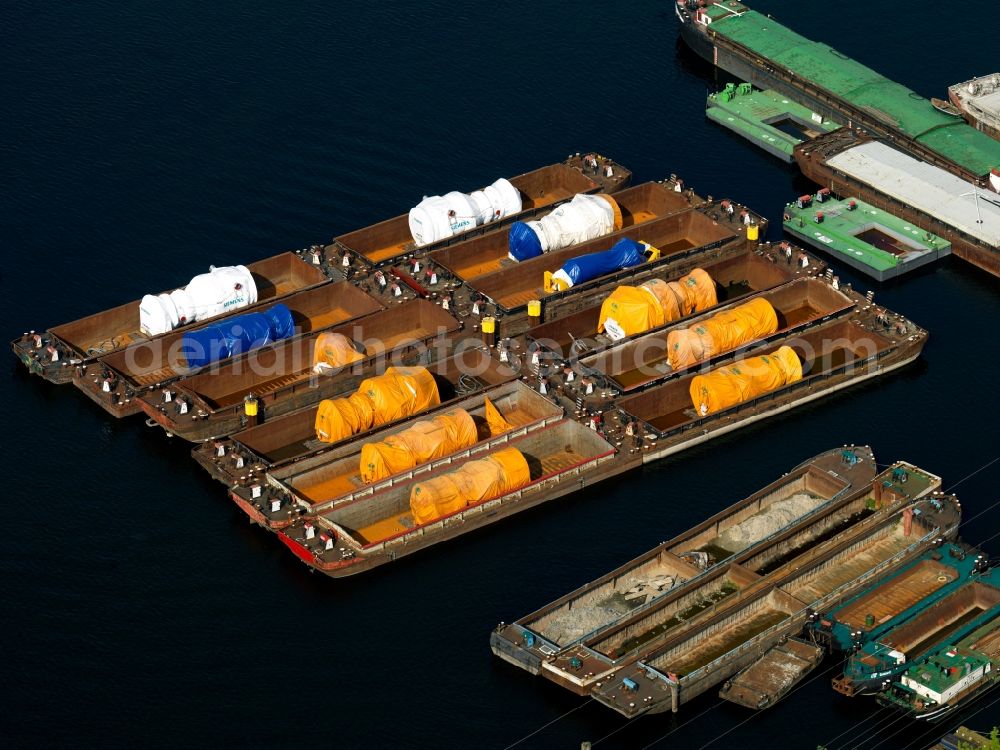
(54, 354)
(641, 583)
(243, 458)
(702, 653)
(116, 380)
(563, 457)
(540, 190)
(280, 379)
(795, 530)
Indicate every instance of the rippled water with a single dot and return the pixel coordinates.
(144, 141)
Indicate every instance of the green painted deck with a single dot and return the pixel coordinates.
(753, 116)
(838, 234)
(847, 79)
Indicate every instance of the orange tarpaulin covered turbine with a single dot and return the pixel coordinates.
(736, 383)
(423, 441)
(400, 392)
(720, 333)
(629, 310)
(333, 351)
(472, 483)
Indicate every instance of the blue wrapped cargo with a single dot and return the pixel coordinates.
(623, 254)
(522, 242)
(229, 338)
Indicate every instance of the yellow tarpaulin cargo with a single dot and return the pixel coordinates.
(629, 310)
(472, 483)
(736, 383)
(333, 351)
(400, 392)
(423, 441)
(721, 332)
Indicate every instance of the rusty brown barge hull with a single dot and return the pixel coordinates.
(565, 457)
(211, 404)
(85, 340)
(246, 456)
(541, 190)
(144, 367)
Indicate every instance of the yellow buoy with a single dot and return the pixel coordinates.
(489, 324)
(753, 231)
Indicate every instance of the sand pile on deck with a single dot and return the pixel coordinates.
(761, 525)
(569, 625)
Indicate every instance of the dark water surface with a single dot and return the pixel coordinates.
(143, 141)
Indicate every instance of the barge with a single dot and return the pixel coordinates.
(870, 240)
(930, 198)
(767, 119)
(703, 654)
(56, 353)
(115, 381)
(736, 278)
(540, 190)
(761, 51)
(472, 258)
(877, 661)
(679, 239)
(317, 484)
(640, 584)
(278, 380)
(720, 620)
(241, 460)
(561, 458)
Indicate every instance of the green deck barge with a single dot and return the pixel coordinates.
(766, 118)
(864, 237)
(758, 49)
